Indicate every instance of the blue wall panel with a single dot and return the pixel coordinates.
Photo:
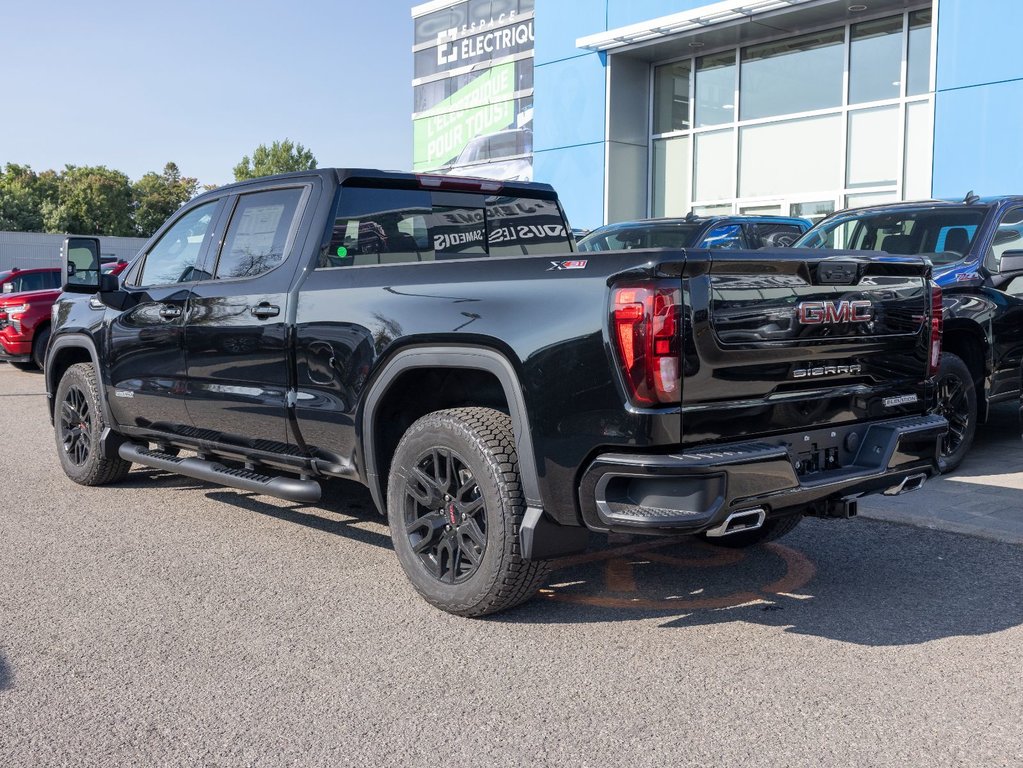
(568, 98)
(978, 133)
(979, 42)
(621, 13)
(577, 173)
(559, 23)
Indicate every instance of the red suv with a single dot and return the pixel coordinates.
(26, 296)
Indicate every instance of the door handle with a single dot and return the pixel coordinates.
(170, 312)
(265, 310)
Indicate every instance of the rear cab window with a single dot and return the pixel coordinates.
(396, 226)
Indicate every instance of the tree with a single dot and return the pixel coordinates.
(280, 157)
(91, 201)
(22, 195)
(157, 196)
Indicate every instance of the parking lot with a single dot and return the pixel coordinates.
(170, 622)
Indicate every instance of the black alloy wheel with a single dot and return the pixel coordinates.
(455, 505)
(76, 426)
(445, 516)
(957, 402)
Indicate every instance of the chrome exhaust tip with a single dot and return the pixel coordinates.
(910, 483)
(747, 520)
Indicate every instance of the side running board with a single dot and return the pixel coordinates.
(289, 488)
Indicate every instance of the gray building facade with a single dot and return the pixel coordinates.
(36, 249)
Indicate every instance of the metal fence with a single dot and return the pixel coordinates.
(35, 249)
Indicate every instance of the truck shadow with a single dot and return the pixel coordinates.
(346, 509)
(6, 677)
(865, 582)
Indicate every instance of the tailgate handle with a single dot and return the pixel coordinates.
(837, 272)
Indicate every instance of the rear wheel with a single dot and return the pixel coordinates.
(79, 425)
(769, 531)
(455, 504)
(957, 402)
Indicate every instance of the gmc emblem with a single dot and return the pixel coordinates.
(829, 312)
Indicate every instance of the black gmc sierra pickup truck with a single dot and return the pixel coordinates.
(438, 340)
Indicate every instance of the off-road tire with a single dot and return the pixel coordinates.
(957, 402)
(769, 531)
(480, 441)
(78, 393)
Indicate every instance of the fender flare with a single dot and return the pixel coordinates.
(77, 341)
(475, 358)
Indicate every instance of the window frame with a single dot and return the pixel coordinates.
(137, 270)
(227, 216)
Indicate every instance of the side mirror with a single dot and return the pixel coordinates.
(8, 287)
(80, 272)
(1011, 263)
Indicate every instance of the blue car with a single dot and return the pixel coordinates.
(718, 232)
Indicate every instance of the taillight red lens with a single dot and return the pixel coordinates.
(937, 328)
(646, 330)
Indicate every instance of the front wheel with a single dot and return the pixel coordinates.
(455, 504)
(957, 402)
(42, 340)
(78, 426)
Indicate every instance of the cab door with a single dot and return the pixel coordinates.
(147, 361)
(236, 334)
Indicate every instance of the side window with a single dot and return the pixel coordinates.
(776, 235)
(33, 282)
(380, 226)
(727, 237)
(54, 280)
(1008, 237)
(172, 259)
(258, 233)
(16, 284)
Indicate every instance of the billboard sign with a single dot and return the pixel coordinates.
(473, 83)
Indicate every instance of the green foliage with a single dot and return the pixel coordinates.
(22, 195)
(92, 200)
(157, 196)
(279, 157)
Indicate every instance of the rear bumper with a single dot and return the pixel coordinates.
(693, 491)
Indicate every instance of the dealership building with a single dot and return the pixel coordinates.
(635, 108)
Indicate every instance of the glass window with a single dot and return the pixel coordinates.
(172, 259)
(813, 211)
(919, 150)
(429, 26)
(626, 237)
(918, 79)
(258, 233)
(873, 156)
(1008, 237)
(671, 97)
(776, 235)
(794, 75)
(942, 234)
(869, 198)
(713, 210)
(761, 210)
(380, 226)
(523, 226)
(715, 165)
(670, 194)
(715, 89)
(727, 237)
(875, 60)
(790, 157)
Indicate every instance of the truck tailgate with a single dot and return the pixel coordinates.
(776, 340)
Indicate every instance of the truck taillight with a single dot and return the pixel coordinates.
(937, 326)
(646, 330)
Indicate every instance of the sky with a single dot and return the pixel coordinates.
(133, 85)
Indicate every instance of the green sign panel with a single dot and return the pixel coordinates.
(483, 106)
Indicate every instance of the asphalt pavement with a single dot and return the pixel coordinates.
(167, 622)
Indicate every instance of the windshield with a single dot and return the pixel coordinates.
(944, 235)
(641, 236)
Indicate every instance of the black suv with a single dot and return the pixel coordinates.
(976, 247)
